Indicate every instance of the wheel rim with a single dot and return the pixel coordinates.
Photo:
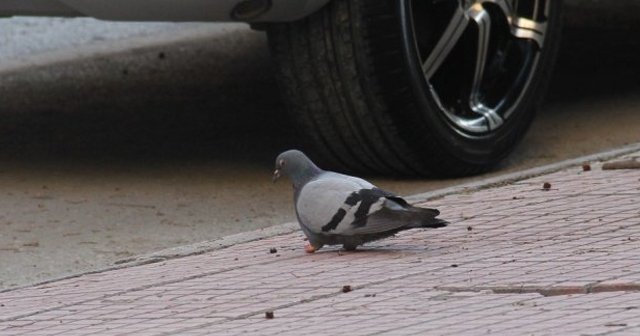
(477, 56)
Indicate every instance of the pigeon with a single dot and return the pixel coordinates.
(338, 209)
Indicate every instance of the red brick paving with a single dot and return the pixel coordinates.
(563, 261)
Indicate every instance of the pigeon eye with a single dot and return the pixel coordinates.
(281, 163)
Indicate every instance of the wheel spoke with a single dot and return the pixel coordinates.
(492, 119)
(521, 27)
(482, 19)
(528, 29)
(447, 41)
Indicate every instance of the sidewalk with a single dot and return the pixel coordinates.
(517, 259)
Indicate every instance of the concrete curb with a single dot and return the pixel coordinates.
(245, 237)
(524, 174)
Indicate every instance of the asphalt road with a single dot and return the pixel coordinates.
(148, 139)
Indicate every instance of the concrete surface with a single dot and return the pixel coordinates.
(27, 36)
(138, 143)
(517, 259)
(29, 42)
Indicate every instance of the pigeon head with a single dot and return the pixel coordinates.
(295, 165)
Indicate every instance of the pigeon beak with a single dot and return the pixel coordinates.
(276, 175)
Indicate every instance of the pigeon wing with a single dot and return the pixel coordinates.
(394, 214)
(326, 202)
(337, 204)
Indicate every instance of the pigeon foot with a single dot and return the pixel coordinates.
(349, 247)
(309, 248)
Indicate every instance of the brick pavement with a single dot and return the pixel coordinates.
(516, 260)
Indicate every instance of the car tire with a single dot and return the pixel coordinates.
(415, 87)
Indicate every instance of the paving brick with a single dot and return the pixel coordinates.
(563, 261)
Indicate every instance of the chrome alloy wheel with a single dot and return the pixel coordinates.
(477, 56)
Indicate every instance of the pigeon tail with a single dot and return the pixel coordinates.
(434, 223)
(426, 218)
